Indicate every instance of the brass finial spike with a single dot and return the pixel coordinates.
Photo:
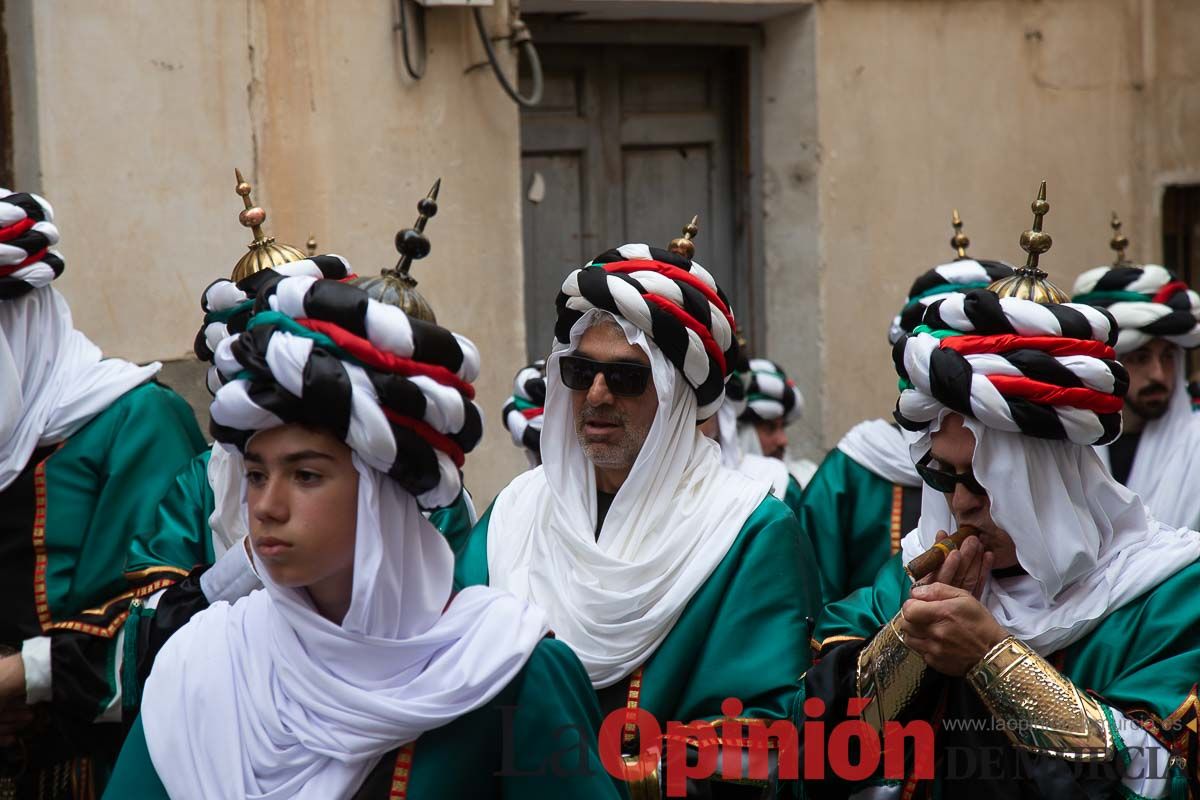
(252, 216)
(1029, 282)
(1118, 242)
(683, 246)
(1035, 242)
(959, 240)
(411, 242)
(311, 245)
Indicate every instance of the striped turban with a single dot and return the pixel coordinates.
(1147, 302)
(397, 390)
(1047, 371)
(672, 300)
(27, 233)
(524, 411)
(953, 278)
(770, 394)
(228, 306)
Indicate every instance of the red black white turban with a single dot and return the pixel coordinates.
(1147, 302)
(770, 394)
(396, 389)
(228, 306)
(953, 278)
(1047, 371)
(673, 300)
(27, 233)
(524, 411)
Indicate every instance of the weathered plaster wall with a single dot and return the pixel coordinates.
(141, 110)
(928, 105)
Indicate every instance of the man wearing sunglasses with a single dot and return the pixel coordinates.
(677, 581)
(1158, 453)
(866, 495)
(1055, 653)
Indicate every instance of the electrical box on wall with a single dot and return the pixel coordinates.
(436, 3)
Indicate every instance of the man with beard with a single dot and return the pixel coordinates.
(1158, 454)
(866, 493)
(1054, 653)
(678, 582)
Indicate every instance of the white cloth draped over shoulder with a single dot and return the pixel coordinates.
(880, 446)
(53, 380)
(1088, 544)
(756, 466)
(1166, 467)
(265, 698)
(614, 599)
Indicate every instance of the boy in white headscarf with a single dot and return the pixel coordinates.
(1158, 452)
(1055, 654)
(356, 671)
(87, 446)
(678, 582)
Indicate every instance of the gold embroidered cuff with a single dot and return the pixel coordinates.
(889, 674)
(1039, 709)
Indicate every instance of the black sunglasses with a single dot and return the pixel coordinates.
(945, 482)
(623, 378)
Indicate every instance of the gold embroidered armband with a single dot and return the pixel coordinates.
(1039, 709)
(889, 674)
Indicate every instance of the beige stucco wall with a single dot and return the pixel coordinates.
(925, 105)
(142, 109)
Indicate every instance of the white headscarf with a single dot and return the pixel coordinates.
(1087, 543)
(268, 699)
(753, 465)
(1166, 468)
(53, 380)
(879, 446)
(615, 599)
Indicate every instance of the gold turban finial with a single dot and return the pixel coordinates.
(311, 245)
(683, 246)
(264, 252)
(1118, 242)
(396, 286)
(959, 240)
(1029, 282)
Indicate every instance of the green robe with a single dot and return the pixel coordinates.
(65, 526)
(532, 742)
(1143, 659)
(855, 520)
(742, 634)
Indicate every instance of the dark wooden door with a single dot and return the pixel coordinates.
(628, 144)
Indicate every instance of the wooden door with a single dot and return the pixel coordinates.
(628, 144)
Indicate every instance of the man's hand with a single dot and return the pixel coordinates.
(948, 627)
(14, 714)
(966, 568)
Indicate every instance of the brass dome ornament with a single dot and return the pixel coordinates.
(396, 286)
(683, 246)
(1119, 242)
(311, 245)
(959, 240)
(1029, 282)
(264, 252)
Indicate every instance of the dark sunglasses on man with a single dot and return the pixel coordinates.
(944, 481)
(623, 378)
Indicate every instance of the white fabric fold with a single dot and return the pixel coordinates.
(756, 467)
(53, 380)
(265, 698)
(1166, 467)
(615, 599)
(1088, 544)
(880, 446)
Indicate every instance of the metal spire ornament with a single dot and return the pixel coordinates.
(1119, 242)
(311, 245)
(396, 286)
(683, 246)
(264, 252)
(1029, 282)
(959, 240)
